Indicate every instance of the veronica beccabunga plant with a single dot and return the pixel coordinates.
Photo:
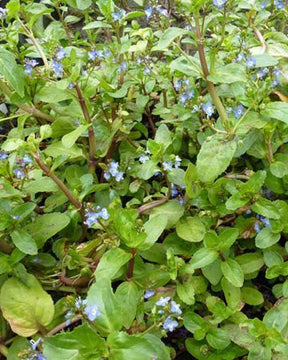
(143, 179)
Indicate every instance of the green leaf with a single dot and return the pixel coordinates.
(250, 262)
(57, 149)
(131, 347)
(169, 35)
(111, 262)
(171, 210)
(12, 72)
(191, 181)
(266, 208)
(232, 294)
(13, 7)
(101, 294)
(128, 295)
(163, 136)
(203, 257)
(24, 242)
(191, 229)
(218, 338)
(26, 306)
(214, 157)
(276, 110)
(154, 227)
(52, 94)
(46, 226)
(194, 322)
(106, 7)
(263, 60)
(228, 74)
(266, 238)
(18, 345)
(82, 343)
(186, 292)
(69, 140)
(251, 296)
(96, 25)
(233, 272)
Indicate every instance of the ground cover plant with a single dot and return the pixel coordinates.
(143, 180)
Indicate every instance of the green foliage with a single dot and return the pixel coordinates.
(143, 180)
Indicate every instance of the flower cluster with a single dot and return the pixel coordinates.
(113, 171)
(158, 8)
(168, 165)
(37, 355)
(208, 109)
(119, 15)
(29, 66)
(56, 62)
(219, 3)
(174, 309)
(186, 94)
(239, 111)
(99, 54)
(261, 220)
(92, 216)
(144, 157)
(23, 162)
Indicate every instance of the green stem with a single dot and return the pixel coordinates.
(59, 182)
(149, 329)
(4, 350)
(63, 325)
(35, 42)
(27, 108)
(210, 86)
(240, 121)
(91, 134)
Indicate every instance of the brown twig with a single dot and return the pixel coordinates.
(261, 39)
(59, 182)
(91, 134)
(80, 282)
(152, 205)
(63, 325)
(129, 275)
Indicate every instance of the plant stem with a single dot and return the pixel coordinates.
(63, 325)
(129, 275)
(59, 182)
(35, 42)
(27, 108)
(91, 134)
(151, 205)
(210, 86)
(4, 350)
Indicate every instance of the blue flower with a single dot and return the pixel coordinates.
(250, 62)
(149, 12)
(92, 312)
(25, 160)
(177, 162)
(208, 109)
(170, 324)
(174, 191)
(143, 158)
(34, 344)
(3, 155)
(265, 221)
(147, 71)
(80, 302)
(163, 301)
(257, 227)
(70, 85)
(19, 173)
(91, 216)
(167, 165)
(181, 201)
(276, 72)
(175, 308)
(3, 12)
(123, 66)
(177, 85)
(69, 315)
(148, 294)
(60, 54)
(240, 57)
(162, 11)
(239, 111)
(104, 214)
(279, 4)
(41, 357)
(219, 3)
(57, 68)
(183, 98)
(29, 65)
(248, 212)
(263, 5)
(118, 15)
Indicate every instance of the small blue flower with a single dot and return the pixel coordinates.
(174, 191)
(147, 71)
(162, 11)
(41, 357)
(279, 4)
(92, 312)
(19, 173)
(163, 301)
(257, 227)
(3, 155)
(143, 158)
(219, 3)
(208, 109)
(70, 85)
(250, 62)
(177, 162)
(123, 66)
(167, 165)
(183, 98)
(57, 68)
(175, 308)
(104, 214)
(34, 344)
(263, 5)
(265, 221)
(69, 315)
(148, 294)
(3, 12)
(16, 217)
(80, 302)
(248, 212)
(60, 54)
(26, 160)
(240, 57)
(262, 72)
(276, 72)
(118, 15)
(181, 201)
(196, 108)
(29, 66)
(239, 111)
(177, 85)
(170, 324)
(149, 12)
